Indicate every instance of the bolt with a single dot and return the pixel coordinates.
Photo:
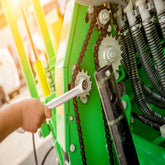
(48, 74)
(50, 80)
(84, 100)
(85, 84)
(105, 15)
(124, 104)
(71, 118)
(109, 54)
(72, 148)
(90, 9)
(112, 54)
(52, 88)
(107, 73)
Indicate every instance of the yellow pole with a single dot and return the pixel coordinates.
(42, 78)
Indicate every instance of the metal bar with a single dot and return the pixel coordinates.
(10, 15)
(115, 115)
(68, 95)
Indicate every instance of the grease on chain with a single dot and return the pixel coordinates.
(72, 83)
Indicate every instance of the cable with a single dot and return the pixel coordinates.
(46, 155)
(34, 149)
(152, 97)
(131, 67)
(146, 121)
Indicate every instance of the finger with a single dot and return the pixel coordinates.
(47, 112)
(43, 121)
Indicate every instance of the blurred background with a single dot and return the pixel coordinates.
(18, 148)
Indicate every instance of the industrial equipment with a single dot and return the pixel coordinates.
(120, 119)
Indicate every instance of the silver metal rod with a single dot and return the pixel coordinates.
(67, 96)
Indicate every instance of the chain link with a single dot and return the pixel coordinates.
(97, 66)
(75, 72)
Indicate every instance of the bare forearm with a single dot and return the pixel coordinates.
(10, 120)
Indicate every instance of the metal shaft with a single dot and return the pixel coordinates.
(79, 89)
(115, 116)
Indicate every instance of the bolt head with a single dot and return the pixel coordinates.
(105, 15)
(124, 104)
(72, 148)
(84, 100)
(109, 54)
(71, 118)
(112, 54)
(107, 73)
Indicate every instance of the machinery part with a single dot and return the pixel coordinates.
(115, 115)
(75, 72)
(104, 16)
(73, 79)
(96, 61)
(152, 97)
(46, 155)
(161, 18)
(97, 66)
(99, 2)
(110, 53)
(129, 58)
(145, 59)
(156, 50)
(146, 121)
(153, 41)
(84, 96)
(83, 86)
(160, 8)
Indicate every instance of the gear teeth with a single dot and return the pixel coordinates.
(84, 74)
(109, 41)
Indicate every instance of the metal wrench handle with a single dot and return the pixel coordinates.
(68, 95)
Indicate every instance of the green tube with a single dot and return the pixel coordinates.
(10, 15)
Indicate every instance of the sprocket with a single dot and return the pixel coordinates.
(110, 53)
(81, 74)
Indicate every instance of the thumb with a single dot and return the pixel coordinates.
(47, 112)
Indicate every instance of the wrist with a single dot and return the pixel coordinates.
(18, 112)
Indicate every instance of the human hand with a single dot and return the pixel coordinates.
(33, 114)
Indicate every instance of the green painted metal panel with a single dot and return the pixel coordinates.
(148, 153)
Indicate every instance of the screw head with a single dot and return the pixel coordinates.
(84, 100)
(72, 148)
(107, 73)
(109, 54)
(105, 15)
(71, 118)
(124, 104)
(112, 54)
